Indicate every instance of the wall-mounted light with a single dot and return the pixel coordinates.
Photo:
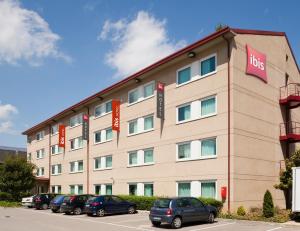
(137, 80)
(191, 54)
(99, 97)
(73, 110)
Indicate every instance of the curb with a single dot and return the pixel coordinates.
(143, 211)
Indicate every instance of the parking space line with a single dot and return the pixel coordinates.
(215, 226)
(274, 229)
(135, 220)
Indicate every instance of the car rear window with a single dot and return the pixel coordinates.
(162, 203)
(57, 198)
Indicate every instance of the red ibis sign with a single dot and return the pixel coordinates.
(256, 63)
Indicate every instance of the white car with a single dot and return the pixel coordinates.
(28, 201)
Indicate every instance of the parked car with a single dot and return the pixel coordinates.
(74, 204)
(42, 201)
(56, 202)
(102, 205)
(28, 201)
(176, 211)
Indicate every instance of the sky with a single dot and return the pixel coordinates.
(54, 53)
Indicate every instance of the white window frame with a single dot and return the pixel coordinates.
(210, 181)
(103, 134)
(56, 188)
(103, 188)
(76, 166)
(140, 158)
(76, 148)
(51, 131)
(59, 150)
(197, 103)
(41, 135)
(102, 105)
(39, 172)
(140, 125)
(77, 115)
(139, 187)
(40, 156)
(196, 70)
(141, 93)
(196, 187)
(196, 154)
(76, 188)
(102, 163)
(56, 173)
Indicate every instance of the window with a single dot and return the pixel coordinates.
(55, 149)
(132, 189)
(184, 113)
(148, 156)
(104, 162)
(103, 189)
(40, 135)
(80, 189)
(40, 153)
(56, 189)
(97, 189)
(184, 75)
(208, 106)
(40, 171)
(76, 143)
(133, 158)
(208, 189)
(184, 150)
(141, 93)
(140, 125)
(56, 169)
(103, 109)
(76, 166)
(76, 120)
(184, 189)
(76, 189)
(72, 189)
(208, 65)
(108, 189)
(148, 190)
(208, 147)
(54, 129)
(103, 135)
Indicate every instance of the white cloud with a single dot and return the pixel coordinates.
(137, 43)
(6, 113)
(25, 35)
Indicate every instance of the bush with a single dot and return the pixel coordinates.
(142, 202)
(4, 196)
(268, 205)
(213, 202)
(241, 211)
(9, 204)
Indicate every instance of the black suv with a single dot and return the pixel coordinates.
(42, 201)
(74, 204)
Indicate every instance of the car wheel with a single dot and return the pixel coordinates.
(89, 214)
(77, 211)
(44, 206)
(155, 223)
(54, 210)
(176, 223)
(211, 218)
(68, 213)
(131, 210)
(100, 213)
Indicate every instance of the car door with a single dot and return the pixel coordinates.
(186, 209)
(201, 212)
(109, 205)
(121, 206)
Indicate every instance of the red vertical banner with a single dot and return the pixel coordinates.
(62, 136)
(116, 115)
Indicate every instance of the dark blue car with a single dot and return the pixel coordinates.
(56, 203)
(102, 205)
(176, 211)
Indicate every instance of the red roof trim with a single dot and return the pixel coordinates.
(157, 64)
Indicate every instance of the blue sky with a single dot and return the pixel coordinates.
(55, 53)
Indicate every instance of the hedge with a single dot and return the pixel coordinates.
(4, 196)
(9, 204)
(145, 203)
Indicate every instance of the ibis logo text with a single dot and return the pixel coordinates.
(256, 63)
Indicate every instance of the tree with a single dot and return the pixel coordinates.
(268, 205)
(220, 26)
(16, 176)
(286, 177)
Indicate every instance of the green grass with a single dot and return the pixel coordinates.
(9, 204)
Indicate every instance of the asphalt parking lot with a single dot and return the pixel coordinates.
(16, 219)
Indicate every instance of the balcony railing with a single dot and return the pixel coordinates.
(290, 93)
(290, 131)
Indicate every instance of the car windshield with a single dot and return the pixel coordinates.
(67, 198)
(58, 198)
(162, 203)
(91, 199)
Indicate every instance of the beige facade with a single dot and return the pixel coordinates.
(255, 114)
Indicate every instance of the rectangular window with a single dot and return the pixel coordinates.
(103, 135)
(208, 106)
(80, 189)
(140, 93)
(76, 120)
(133, 127)
(148, 123)
(104, 162)
(40, 171)
(103, 109)
(133, 158)
(208, 189)
(208, 65)
(76, 166)
(109, 134)
(97, 163)
(149, 90)
(148, 156)
(29, 157)
(208, 147)
(80, 166)
(148, 190)
(76, 189)
(184, 113)
(54, 129)
(184, 75)
(184, 189)
(40, 153)
(56, 169)
(97, 137)
(72, 189)
(184, 150)
(40, 135)
(55, 149)
(76, 143)
(133, 189)
(97, 189)
(56, 189)
(108, 189)
(133, 96)
(108, 162)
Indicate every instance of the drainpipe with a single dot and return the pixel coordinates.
(88, 156)
(49, 153)
(228, 121)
